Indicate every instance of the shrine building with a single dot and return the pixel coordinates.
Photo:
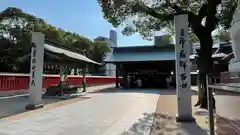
(155, 64)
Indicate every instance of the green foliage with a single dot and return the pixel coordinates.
(167, 38)
(192, 37)
(99, 50)
(15, 28)
(146, 17)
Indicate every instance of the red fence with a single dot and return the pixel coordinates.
(21, 81)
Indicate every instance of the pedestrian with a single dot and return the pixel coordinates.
(139, 83)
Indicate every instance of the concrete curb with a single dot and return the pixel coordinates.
(13, 93)
(66, 97)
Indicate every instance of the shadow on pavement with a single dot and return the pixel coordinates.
(227, 126)
(16, 105)
(163, 124)
(141, 127)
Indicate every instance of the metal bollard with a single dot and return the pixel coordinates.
(210, 106)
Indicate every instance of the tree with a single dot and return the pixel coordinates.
(15, 28)
(147, 16)
(170, 30)
(100, 48)
(98, 53)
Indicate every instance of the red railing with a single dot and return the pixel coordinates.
(10, 82)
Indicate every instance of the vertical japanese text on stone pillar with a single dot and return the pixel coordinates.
(183, 60)
(33, 64)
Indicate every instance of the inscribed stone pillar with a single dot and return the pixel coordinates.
(183, 68)
(36, 71)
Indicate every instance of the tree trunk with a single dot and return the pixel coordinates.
(205, 66)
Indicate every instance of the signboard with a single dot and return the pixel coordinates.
(183, 67)
(36, 69)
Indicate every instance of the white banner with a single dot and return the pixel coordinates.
(36, 69)
(183, 67)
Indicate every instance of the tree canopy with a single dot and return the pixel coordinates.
(148, 16)
(15, 27)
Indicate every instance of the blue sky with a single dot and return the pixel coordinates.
(81, 16)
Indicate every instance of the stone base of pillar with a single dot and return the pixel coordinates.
(185, 118)
(33, 106)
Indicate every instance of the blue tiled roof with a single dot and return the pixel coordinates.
(140, 56)
(148, 56)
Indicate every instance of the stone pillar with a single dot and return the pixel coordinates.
(183, 68)
(117, 75)
(36, 71)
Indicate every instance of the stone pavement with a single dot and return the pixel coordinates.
(113, 112)
(227, 111)
(104, 113)
(98, 88)
(227, 120)
(165, 121)
(13, 105)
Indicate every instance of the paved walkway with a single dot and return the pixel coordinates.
(165, 118)
(227, 110)
(12, 105)
(107, 113)
(112, 112)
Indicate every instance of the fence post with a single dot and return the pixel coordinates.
(210, 105)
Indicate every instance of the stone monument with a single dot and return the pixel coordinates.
(234, 65)
(183, 68)
(36, 71)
